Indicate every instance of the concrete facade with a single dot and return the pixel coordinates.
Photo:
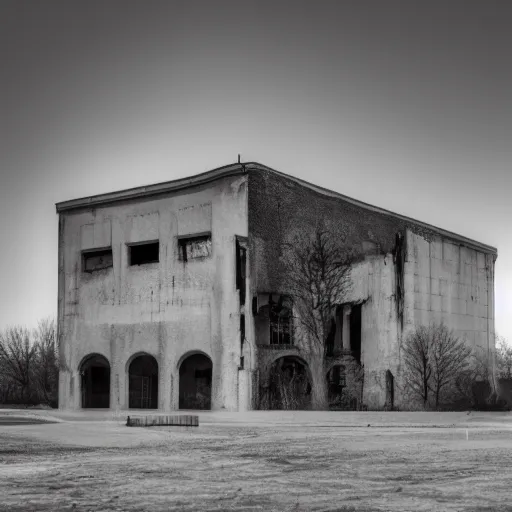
(408, 273)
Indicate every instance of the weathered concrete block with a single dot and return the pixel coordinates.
(445, 287)
(450, 251)
(421, 284)
(436, 249)
(482, 295)
(183, 420)
(468, 255)
(436, 303)
(422, 301)
(466, 272)
(434, 286)
(462, 291)
(483, 311)
(480, 260)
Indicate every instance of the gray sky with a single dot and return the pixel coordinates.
(405, 105)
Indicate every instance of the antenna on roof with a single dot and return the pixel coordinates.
(238, 157)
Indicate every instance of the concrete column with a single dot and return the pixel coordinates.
(346, 327)
(244, 390)
(338, 337)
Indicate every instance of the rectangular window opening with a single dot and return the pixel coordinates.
(355, 331)
(97, 260)
(281, 322)
(241, 263)
(242, 340)
(195, 247)
(141, 254)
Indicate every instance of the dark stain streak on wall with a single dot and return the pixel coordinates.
(399, 253)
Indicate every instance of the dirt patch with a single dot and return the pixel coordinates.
(233, 468)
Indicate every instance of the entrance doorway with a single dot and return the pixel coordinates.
(196, 382)
(143, 383)
(95, 382)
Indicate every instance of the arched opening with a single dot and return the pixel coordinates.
(336, 382)
(289, 386)
(143, 383)
(95, 382)
(196, 382)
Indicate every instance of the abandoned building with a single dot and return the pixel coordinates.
(171, 296)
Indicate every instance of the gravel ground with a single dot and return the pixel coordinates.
(103, 465)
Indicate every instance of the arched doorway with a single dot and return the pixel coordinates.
(95, 382)
(143, 383)
(196, 382)
(289, 386)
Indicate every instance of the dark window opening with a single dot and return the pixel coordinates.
(196, 247)
(390, 390)
(242, 339)
(141, 254)
(281, 322)
(329, 342)
(97, 260)
(355, 331)
(241, 262)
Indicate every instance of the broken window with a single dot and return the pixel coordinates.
(195, 247)
(241, 262)
(281, 322)
(147, 252)
(97, 260)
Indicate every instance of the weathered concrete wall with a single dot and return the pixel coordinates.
(407, 274)
(167, 309)
(448, 282)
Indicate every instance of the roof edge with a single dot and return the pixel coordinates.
(151, 190)
(324, 191)
(243, 168)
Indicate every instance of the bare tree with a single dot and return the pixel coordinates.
(418, 369)
(46, 373)
(435, 359)
(450, 357)
(17, 355)
(318, 272)
(503, 358)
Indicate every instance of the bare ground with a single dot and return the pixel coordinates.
(103, 465)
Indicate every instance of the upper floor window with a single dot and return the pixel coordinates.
(195, 247)
(281, 322)
(142, 253)
(241, 263)
(97, 260)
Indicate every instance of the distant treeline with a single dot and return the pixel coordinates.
(29, 373)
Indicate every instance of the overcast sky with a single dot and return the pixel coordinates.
(405, 105)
